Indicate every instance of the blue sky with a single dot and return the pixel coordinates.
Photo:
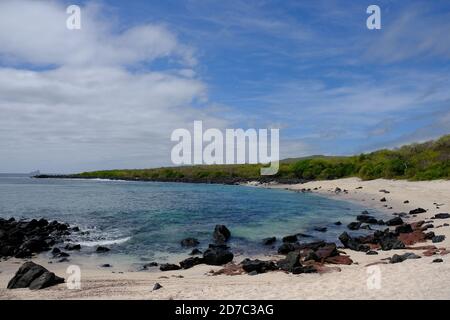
(310, 68)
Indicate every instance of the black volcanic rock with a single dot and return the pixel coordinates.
(418, 210)
(354, 225)
(101, 249)
(437, 239)
(258, 266)
(221, 234)
(400, 258)
(72, 247)
(366, 219)
(290, 238)
(291, 262)
(195, 251)
(269, 241)
(157, 286)
(34, 277)
(353, 243)
(404, 228)
(190, 262)
(169, 267)
(22, 239)
(217, 255)
(394, 221)
(285, 248)
(441, 216)
(189, 242)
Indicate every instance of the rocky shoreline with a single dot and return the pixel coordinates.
(409, 249)
(22, 239)
(205, 180)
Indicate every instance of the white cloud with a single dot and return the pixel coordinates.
(88, 110)
(35, 32)
(413, 33)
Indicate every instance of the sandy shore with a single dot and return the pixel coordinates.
(411, 279)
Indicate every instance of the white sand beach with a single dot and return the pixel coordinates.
(411, 279)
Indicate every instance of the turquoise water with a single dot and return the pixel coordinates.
(148, 219)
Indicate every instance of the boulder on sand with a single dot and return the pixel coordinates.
(339, 260)
(441, 216)
(217, 255)
(169, 267)
(258, 266)
(190, 262)
(326, 251)
(437, 239)
(418, 210)
(291, 262)
(33, 276)
(404, 228)
(285, 248)
(353, 243)
(396, 221)
(400, 258)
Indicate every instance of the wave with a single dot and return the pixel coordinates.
(94, 243)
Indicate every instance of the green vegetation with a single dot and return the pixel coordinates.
(424, 161)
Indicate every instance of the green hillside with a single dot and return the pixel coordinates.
(418, 161)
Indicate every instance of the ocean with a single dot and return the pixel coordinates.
(145, 221)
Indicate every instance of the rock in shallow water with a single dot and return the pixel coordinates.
(23, 238)
(195, 251)
(366, 219)
(354, 225)
(221, 234)
(269, 241)
(189, 242)
(72, 247)
(290, 239)
(33, 276)
(101, 249)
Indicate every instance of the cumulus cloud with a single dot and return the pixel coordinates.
(72, 100)
(35, 32)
